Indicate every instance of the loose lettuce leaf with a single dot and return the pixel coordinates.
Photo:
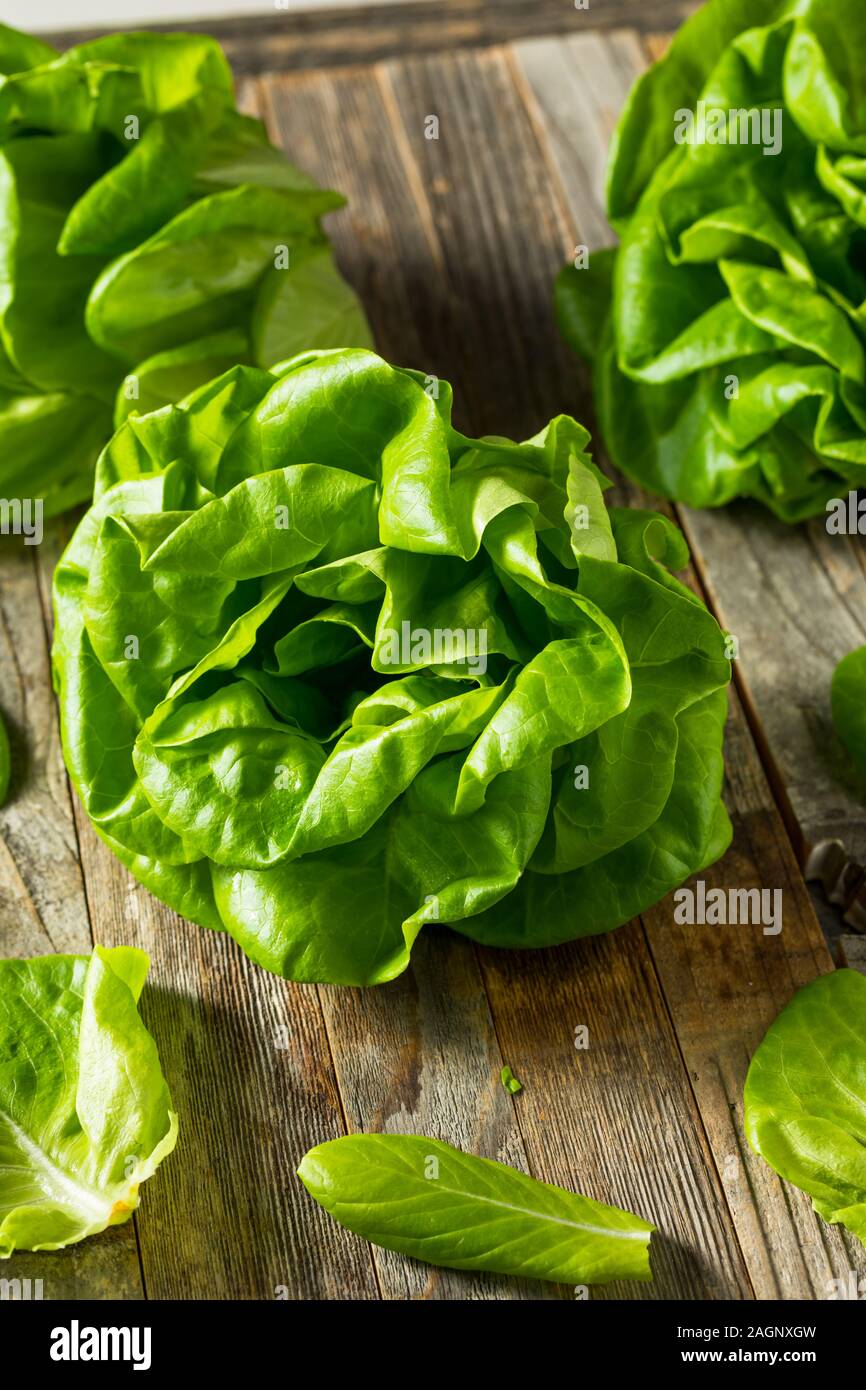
(85, 1114)
(510, 1081)
(848, 704)
(426, 1199)
(727, 332)
(257, 734)
(136, 263)
(805, 1097)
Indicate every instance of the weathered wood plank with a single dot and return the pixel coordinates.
(723, 986)
(615, 1119)
(421, 1056)
(852, 953)
(312, 39)
(336, 127)
(577, 89)
(42, 905)
(796, 599)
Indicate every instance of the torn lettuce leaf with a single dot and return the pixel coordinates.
(805, 1097)
(85, 1113)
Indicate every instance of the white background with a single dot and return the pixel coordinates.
(70, 14)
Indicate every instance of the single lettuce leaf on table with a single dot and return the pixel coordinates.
(85, 1113)
(848, 705)
(727, 333)
(150, 237)
(805, 1097)
(433, 1202)
(371, 674)
(510, 1081)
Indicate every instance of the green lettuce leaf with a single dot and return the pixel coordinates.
(848, 705)
(370, 674)
(137, 261)
(805, 1097)
(85, 1114)
(426, 1199)
(727, 333)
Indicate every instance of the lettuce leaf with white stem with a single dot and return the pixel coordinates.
(85, 1113)
(370, 674)
(433, 1202)
(727, 333)
(805, 1097)
(150, 237)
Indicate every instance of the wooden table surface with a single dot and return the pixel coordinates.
(453, 244)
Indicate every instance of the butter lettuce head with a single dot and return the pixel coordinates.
(805, 1098)
(85, 1113)
(149, 237)
(329, 671)
(727, 333)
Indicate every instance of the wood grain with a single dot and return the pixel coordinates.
(42, 906)
(796, 599)
(421, 1056)
(616, 1118)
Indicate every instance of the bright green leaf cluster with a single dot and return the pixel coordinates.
(85, 1114)
(805, 1097)
(150, 237)
(728, 333)
(369, 674)
(428, 1200)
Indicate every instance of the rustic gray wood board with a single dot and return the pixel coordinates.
(453, 244)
